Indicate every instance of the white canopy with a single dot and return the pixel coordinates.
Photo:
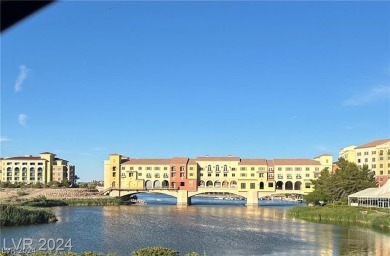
(382, 192)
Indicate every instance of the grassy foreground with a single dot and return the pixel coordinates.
(31, 211)
(11, 215)
(148, 251)
(374, 217)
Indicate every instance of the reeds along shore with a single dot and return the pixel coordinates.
(378, 218)
(12, 215)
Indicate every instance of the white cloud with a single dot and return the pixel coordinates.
(377, 93)
(4, 139)
(21, 77)
(22, 119)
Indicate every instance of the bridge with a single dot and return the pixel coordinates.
(184, 196)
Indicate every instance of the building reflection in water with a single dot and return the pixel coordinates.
(234, 230)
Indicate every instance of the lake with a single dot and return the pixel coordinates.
(210, 225)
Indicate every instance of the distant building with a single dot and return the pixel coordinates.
(33, 169)
(207, 172)
(374, 154)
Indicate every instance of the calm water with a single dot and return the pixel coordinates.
(231, 229)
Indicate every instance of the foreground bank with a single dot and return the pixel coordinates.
(374, 217)
(26, 212)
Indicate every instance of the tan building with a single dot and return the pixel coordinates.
(374, 154)
(32, 169)
(214, 173)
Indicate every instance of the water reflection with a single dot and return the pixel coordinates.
(216, 230)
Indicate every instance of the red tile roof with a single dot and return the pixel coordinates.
(373, 143)
(296, 162)
(148, 162)
(253, 162)
(179, 160)
(326, 154)
(192, 162)
(24, 158)
(217, 158)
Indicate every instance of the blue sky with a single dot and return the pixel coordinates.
(165, 79)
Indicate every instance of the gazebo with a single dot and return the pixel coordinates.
(371, 197)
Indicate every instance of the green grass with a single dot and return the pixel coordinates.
(11, 215)
(94, 201)
(375, 217)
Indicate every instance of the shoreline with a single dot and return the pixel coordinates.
(376, 218)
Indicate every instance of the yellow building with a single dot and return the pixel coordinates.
(374, 154)
(32, 169)
(348, 153)
(216, 173)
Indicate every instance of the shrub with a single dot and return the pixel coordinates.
(155, 251)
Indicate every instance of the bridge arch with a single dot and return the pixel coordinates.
(217, 184)
(201, 183)
(241, 194)
(209, 184)
(288, 186)
(233, 184)
(297, 185)
(279, 185)
(225, 184)
(148, 184)
(156, 184)
(165, 184)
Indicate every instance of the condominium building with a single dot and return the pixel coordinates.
(231, 172)
(32, 169)
(374, 154)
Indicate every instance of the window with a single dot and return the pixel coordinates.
(139, 167)
(173, 174)
(114, 174)
(208, 174)
(201, 174)
(233, 169)
(366, 153)
(40, 163)
(307, 175)
(270, 184)
(307, 168)
(148, 175)
(252, 185)
(359, 154)
(24, 163)
(165, 175)
(217, 175)
(298, 169)
(242, 174)
(123, 175)
(381, 172)
(217, 168)
(316, 176)
(17, 163)
(298, 176)
(131, 174)
(182, 184)
(182, 174)
(157, 175)
(262, 168)
(165, 168)
(131, 168)
(225, 175)
(243, 169)
(30, 163)
(123, 167)
(288, 169)
(233, 175)
(381, 166)
(225, 168)
(317, 169)
(289, 176)
(307, 185)
(243, 185)
(8, 163)
(261, 175)
(359, 161)
(365, 160)
(373, 152)
(252, 175)
(279, 168)
(209, 168)
(191, 168)
(182, 168)
(280, 176)
(252, 168)
(191, 174)
(373, 159)
(157, 168)
(148, 168)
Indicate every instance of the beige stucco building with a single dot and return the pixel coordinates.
(374, 154)
(215, 173)
(33, 169)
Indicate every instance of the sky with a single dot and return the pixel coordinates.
(165, 79)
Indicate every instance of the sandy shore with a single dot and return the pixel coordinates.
(50, 193)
